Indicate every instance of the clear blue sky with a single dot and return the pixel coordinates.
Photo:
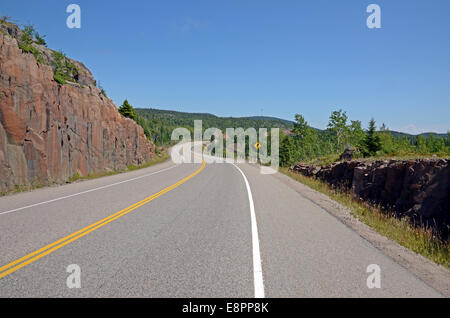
(239, 57)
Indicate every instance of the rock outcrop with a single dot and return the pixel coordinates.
(416, 189)
(50, 132)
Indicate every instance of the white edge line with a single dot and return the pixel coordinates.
(257, 267)
(258, 280)
(87, 191)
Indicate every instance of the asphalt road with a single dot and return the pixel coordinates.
(194, 239)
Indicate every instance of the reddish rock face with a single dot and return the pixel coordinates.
(50, 132)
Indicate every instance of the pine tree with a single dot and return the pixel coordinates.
(372, 141)
(127, 110)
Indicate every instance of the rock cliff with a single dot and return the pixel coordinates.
(416, 189)
(49, 131)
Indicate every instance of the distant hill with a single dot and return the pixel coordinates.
(398, 134)
(288, 123)
(159, 123)
(183, 119)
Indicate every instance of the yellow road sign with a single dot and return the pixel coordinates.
(257, 145)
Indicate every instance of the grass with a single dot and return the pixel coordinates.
(64, 70)
(324, 160)
(408, 156)
(419, 240)
(329, 159)
(5, 22)
(28, 48)
(59, 78)
(22, 188)
(159, 158)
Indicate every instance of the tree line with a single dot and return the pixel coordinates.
(305, 144)
(299, 142)
(159, 124)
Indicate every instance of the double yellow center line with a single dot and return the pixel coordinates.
(34, 256)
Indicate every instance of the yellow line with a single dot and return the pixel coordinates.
(34, 256)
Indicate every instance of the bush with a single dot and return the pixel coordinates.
(64, 70)
(40, 39)
(59, 78)
(26, 43)
(29, 48)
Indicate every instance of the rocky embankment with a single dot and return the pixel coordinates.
(50, 131)
(416, 189)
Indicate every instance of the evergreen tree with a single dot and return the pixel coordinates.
(372, 141)
(127, 110)
(305, 143)
(144, 124)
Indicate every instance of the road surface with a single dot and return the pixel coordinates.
(196, 232)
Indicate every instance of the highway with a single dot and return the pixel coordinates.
(188, 230)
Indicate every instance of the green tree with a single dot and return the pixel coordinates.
(306, 141)
(127, 110)
(144, 124)
(287, 152)
(435, 144)
(422, 144)
(389, 145)
(372, 141)
(301, 128)
(27, 34)
(26, 43)
(357, 135)
(40, 39)
(337, 126)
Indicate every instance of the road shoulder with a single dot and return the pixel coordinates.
(432, 274)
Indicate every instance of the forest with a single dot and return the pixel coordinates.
(300, 142)
(159, 124)
(306, 144)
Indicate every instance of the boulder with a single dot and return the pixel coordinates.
(416, 189)
(347, 155)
